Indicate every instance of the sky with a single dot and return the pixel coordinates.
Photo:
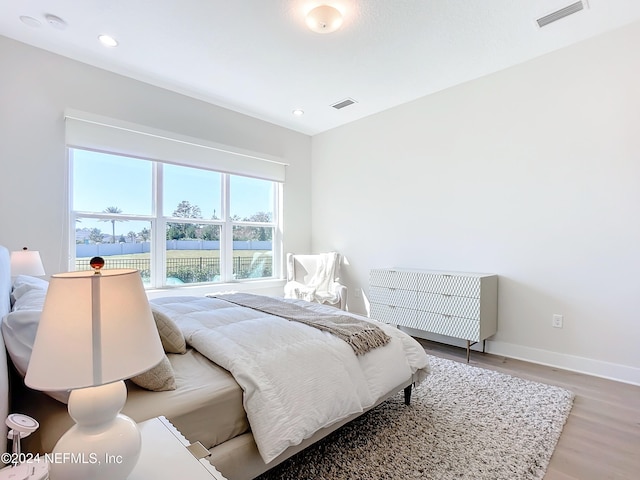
(102, 180)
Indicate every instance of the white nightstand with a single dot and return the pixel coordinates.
(164, 455)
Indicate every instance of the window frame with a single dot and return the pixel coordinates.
(159, 220)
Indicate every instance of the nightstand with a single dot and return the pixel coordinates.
(164, 455)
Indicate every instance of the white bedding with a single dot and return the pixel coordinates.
(296, 379)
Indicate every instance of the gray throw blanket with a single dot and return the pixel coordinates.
(361, 335)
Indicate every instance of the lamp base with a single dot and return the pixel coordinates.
(103, 444)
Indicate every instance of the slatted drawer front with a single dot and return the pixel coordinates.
(450, 305)
(391, 314)
(393, 296)
(448, 325)
(393, 278)
(449, 284)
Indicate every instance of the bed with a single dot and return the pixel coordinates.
(233, 417)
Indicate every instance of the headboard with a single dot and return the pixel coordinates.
(5, 306)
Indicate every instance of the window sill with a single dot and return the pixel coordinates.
(271, 286)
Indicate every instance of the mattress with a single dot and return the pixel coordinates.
(206, 406)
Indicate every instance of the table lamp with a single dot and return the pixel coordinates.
(96, 330)
(26, 262)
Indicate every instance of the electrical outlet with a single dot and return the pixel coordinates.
(357, 293)
(557, 321)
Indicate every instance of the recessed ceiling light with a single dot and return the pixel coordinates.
(298, 112)
(32, 22)
(108, 41)
(55, 22)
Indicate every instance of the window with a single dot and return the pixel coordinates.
(176, 224)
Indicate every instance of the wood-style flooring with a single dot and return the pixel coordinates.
(601, 439)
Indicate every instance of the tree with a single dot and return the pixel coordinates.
(177, 231)
(261, 233)
(210, 232)
(254, 233)
(132, 236)
(95, 235)
(113, 221)
(145, 234)
(260, 217)
(186, 210)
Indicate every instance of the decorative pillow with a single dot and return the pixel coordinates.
(170, 335)
(158, 378)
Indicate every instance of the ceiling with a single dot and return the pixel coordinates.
(258, 57)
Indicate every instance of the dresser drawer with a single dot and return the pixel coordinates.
(391, 314)
(449, 304)
(462, 286)
(449, 325)
(384, 277)
(392, 296)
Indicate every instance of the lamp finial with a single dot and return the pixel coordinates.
(96, 263)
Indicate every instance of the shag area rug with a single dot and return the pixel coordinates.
(464, 422)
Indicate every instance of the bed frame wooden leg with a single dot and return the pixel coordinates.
(407, 395)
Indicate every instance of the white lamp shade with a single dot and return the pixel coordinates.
(94, 329)
(26, 262)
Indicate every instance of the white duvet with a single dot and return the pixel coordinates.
(296, 379)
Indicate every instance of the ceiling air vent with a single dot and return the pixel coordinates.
(563, 12)
(343, 103)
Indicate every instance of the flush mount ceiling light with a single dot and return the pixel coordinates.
(108, 41)
(324, 19)
(298, 112)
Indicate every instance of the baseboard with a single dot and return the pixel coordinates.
(588, 366)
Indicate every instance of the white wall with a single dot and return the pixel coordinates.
(532, 173)
(35, 89)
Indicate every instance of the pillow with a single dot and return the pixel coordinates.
(170, 335)
(24, 284)
(157, 379)
(21, 324)
(33, 300)
(19, 330)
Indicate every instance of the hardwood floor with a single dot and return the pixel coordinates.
(601, 439)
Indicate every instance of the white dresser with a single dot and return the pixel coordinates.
(456, 304)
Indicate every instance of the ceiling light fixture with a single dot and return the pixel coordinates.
(55, 22)
(298, 112)
(324, 19)
(108, 41)
(32, 22)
